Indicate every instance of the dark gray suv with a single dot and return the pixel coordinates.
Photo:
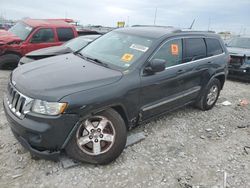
(84, 103)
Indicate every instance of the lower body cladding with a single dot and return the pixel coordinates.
(43, 136)
(240, 73)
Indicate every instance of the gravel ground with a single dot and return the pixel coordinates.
(186, 148)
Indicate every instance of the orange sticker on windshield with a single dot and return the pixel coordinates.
(174, 49)
(127, 57)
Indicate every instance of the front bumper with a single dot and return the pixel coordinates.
(43, 136)
(243, 74)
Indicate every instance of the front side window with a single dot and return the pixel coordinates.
(21, 30)
(195, 48)
(43, 36)
(213, 47)
(171, 52)
(118, 49)
(65, 34)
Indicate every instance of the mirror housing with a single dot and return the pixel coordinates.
(156, 65)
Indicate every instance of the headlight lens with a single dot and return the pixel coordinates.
(48, 108)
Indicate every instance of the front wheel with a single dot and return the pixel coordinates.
(9, 61)
(210, 95)
(99, 139)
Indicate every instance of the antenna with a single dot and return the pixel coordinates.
(155, 15)
(191, 26)
(209, 22)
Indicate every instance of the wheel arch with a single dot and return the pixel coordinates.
(120, 109)
(123, 114)
(12, 52)
(221, 78)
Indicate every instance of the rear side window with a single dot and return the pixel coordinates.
(64, 34)
(171, 52)
(213, 47)
(195, 48)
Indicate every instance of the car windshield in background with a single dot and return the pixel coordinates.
(117, 48)
(240, 42)
(21, 30)
(77, 43)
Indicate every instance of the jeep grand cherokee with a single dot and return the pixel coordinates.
(84, 103)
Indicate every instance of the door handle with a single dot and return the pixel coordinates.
(180, 71)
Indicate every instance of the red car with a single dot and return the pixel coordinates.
(32, 34)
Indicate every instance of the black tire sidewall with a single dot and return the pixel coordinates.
(73, 150)
(213, 82)
(9, 61)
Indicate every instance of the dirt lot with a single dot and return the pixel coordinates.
(186, 148)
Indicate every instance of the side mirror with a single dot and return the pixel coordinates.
(156, 65)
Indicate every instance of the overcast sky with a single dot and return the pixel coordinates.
(218, 15)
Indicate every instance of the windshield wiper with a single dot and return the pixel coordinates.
(91, 59)
(79, 54)
(97, 61)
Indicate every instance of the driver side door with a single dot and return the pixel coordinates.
(42, 38)
(161, 91)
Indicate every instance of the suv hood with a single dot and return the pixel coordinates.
(52, 78)
(6, 37)
(238, 51)
(47, 52)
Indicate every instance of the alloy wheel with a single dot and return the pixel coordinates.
(212, 95)
(96, 135)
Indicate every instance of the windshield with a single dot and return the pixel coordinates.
(21, 30)
(77, 43)
(117, 48)
(240, 42)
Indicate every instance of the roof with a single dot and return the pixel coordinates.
(149, 31)
(46, 22)
(160, 31)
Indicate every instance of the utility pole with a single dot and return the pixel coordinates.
(155, 15)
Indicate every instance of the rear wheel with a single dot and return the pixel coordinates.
(9, 61)
(210, 95)
(99, 139)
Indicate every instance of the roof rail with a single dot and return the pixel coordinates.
(190, 30)
(63, 19)
(152, 26)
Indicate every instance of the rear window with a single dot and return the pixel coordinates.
(213, 47)
(64, 34)
(195, 48)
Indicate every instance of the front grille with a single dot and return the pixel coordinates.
(17, 102)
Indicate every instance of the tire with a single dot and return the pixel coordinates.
(9, 61)
(204, 103)
(81, 145)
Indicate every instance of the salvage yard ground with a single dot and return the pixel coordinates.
(186, 148)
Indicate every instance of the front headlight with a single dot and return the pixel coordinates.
(48, 108)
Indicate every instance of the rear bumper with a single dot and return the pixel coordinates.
(43, 136)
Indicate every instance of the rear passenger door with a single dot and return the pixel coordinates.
(65, 34)
(199, 58)
(195, 66)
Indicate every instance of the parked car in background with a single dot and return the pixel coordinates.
(84, 103)
(239, 50)
(69, 47)
(29, 35)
